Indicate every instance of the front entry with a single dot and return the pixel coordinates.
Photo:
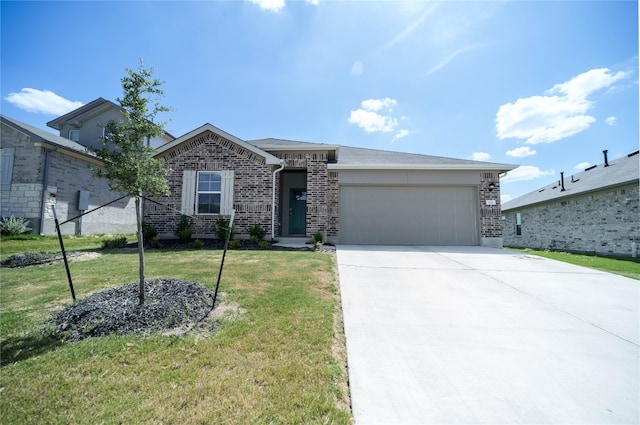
(297, 211)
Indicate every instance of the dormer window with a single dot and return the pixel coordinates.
(74, 135)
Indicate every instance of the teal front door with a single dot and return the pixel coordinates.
(297, 211)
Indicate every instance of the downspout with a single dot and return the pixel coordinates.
(45, 185)
(273, 200)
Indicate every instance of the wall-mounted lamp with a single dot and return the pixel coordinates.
(492, 186)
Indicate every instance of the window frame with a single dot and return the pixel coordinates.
(74, 132)
(208, 192)
(518, 224)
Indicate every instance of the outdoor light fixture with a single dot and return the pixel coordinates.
(492, 186)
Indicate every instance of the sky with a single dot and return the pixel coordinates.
(546, 85)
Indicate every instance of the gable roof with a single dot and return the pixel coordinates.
(269, 159)
(619, 172)
(44, 137)
(272, 144)
(88, 111)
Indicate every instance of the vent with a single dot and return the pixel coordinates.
(590, 168)
(633, 154)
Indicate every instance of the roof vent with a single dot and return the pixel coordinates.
(562, 181)
(574, 180)
(606, 160)
(590, 168)
(633, 153)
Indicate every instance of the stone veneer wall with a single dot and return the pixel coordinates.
(603, 222)
(490, 215)
(322, 190)
(209, 152)
(66, 176)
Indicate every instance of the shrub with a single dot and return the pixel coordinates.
(317, 245)
(220, 229)
(235, 244)
(197, 244)
(119, 242)
(317, 237)
(264, 244)
(257, 231)
(14, 226)
(184, 229)
(253, 240)
(148, 231)
(155, 243)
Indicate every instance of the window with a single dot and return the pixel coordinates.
(518, 224)
(209, 192)
(74, 135)
(105, 132)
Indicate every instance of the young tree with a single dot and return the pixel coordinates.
(129, 164)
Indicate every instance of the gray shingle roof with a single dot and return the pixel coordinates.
(38, 135)
(352, 157)
(620, 171)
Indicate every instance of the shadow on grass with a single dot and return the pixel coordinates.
(15, 349)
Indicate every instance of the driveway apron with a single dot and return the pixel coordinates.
(470, 335)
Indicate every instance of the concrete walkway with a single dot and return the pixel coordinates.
(470, 335)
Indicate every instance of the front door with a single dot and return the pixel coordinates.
(297, 211)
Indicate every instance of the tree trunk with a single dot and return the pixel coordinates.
(140, 249)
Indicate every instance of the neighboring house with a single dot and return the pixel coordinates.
(350, 195)
(85, 125)
(594, 211)
(39, 169)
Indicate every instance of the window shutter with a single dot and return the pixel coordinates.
(6, 168)
(188, 191)
(226, 195)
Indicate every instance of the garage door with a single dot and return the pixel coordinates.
(409, 215)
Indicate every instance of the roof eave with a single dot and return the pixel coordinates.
(299, 148)
(453, 167)
(76, 154)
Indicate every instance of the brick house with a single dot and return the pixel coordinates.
(39, 169)
(593, 211)
(351, 195)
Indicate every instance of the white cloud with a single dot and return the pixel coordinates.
(42, 102)
(480, 156)
(356, 69)
(271, 5)
(611, 120)
(378, 104)
(276, 5)
(525, 172)
(581, 166)
(371, 121)
(521, 152)
(376, 115)
(560, 113)
(400, 134)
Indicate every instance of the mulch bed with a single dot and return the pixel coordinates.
(169, 304)
(36, 258)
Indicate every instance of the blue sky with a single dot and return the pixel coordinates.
(544, 84)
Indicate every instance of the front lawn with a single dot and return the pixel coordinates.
(280, 360)
(629, 267)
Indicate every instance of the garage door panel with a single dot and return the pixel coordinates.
(409, 215)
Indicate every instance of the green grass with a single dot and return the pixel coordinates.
(282, 361)
(23, 243)
(629, 267)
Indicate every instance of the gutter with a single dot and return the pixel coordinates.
(448, 167)
(273, 200)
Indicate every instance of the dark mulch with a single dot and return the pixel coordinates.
(169, 304)
(33, 258)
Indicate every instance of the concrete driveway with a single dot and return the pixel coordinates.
(470, 335)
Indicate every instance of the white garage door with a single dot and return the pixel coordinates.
(409, 215)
